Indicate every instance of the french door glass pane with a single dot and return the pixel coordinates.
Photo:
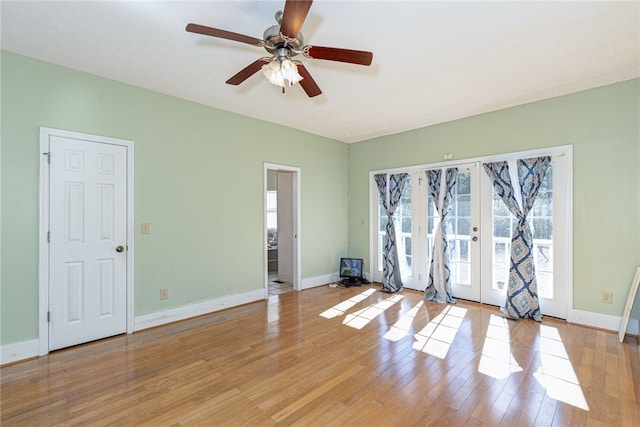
(540, 220)
(403, 223)
(458, 228)
(459, 220)
(382, 240)
(403, 230)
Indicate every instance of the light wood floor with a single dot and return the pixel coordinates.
(335, 356)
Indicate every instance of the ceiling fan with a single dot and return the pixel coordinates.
(283, 42)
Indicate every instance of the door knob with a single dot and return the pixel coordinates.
(474, 238)
(120, 249)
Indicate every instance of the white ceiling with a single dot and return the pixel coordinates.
(433, 61)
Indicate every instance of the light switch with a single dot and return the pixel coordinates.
(146, 228)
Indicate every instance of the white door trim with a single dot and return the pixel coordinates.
(297, 244)
(43, 245)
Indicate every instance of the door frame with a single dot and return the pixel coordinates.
(565, 232)
(297, 244)
(43, 244)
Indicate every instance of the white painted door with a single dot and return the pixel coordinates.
(407, 230)
(415, 222)
(550, 221)
(88, 225)
(285, 226)
(462, 225)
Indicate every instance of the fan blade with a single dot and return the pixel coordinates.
(295, 12)
(308, 84)
(247, 72)
(215, 32)
(359, 57)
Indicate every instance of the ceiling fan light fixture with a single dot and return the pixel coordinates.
(284, 41)
(281, 72)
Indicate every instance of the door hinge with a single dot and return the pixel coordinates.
(48, 237)
(48, 316)
(48, 154)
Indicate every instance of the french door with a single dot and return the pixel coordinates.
(550, 223)
(478, 228)
(463, 232)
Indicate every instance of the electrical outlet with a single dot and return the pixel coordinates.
(146, 228)
(607, 297)
(164, 293)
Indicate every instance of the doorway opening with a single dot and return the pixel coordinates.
(281, 229)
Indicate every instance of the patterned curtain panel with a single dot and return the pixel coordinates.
(439, 287)
(522, 293)
(392, 280)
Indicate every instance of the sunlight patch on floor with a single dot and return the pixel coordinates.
(401, 328)
(436, 338)
(361, 318)
(341, 308)
(556, 373)
(496, 360)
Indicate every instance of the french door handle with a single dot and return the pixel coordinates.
(474, 238)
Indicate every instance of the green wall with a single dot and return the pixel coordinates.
(601, 124)
(199, 173)
(198, 182)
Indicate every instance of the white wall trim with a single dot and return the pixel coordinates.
(602, 321)
(14, 352)
(192, 310)
(43, 245)
(313, 282)
(297, 224)
(633, 327)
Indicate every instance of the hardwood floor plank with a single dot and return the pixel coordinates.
(334, 357)
(546, 413)
(314, 394)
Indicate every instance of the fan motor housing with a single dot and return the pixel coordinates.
(273, 41)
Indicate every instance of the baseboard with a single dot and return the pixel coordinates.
(312, 282)
(10, 353)
(192, 310)
(602, 321)
(15, 352)
(633, 327)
